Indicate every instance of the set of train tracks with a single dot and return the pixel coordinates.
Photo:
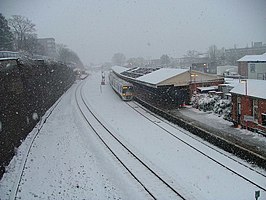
(143, 112)
(150, 180)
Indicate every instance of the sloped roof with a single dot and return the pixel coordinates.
(255, 88)
(253, 58)
(231, 81)
(119, 69)
(207, 88)
(160, 75)
(138, 72)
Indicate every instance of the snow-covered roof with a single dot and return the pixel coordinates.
(207, 88)
(253, 58)
(224, 84)
(160, 75)
(119, 69)
(231, 81)
(255, 88)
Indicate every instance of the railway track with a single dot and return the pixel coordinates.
(166, 130)
(152, 182)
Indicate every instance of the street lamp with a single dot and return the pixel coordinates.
(246, 85)
(194, 77)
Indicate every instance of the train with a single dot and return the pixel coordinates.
(121, 87)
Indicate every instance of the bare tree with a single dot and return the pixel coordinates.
(136, 62)
(165, 60)
(68, 56)
(22, 28)
(119, 59)
(213, 59)
(213, 53)
(6, 36)
(192, 54)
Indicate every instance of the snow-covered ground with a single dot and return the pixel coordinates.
(67, 160)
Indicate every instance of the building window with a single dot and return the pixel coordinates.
(261, 76)
(238, 105)
(255, 109)
(252, 68)
(239, 108)
(263, 117)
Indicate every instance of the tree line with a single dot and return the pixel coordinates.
(18, 33)
(213, 56)
(120, 60)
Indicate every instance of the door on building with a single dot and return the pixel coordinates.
(238, 109)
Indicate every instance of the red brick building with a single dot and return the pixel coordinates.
(249, 105)
(244, 68)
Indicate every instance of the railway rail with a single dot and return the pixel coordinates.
(149, 179)
(235, 147)
(134, 106)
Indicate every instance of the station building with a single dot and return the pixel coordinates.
(249, 105)
(166, 87)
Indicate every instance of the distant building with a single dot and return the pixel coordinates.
(249, 105)
(199, 62)
(253, 66)
(232, 55)
(48, 45)
(227, 70)
(154, 63)
(201, 67)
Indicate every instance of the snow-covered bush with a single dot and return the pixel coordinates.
(204, 101)
(213, 103)
(222, 106)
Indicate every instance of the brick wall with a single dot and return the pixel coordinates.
(247, 109)
(261, 109)
(243, 68)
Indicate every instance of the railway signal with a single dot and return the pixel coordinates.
(257, 194)
(103, 79)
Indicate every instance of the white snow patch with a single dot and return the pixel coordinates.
(35, 116)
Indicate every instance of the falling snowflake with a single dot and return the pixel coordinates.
(35, 116)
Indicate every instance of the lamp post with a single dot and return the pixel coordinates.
(246, 91)
(205, 68)
(194, 77)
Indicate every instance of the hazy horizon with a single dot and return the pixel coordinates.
(96, 30)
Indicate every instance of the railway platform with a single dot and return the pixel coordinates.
(222, 128)
(217, 131)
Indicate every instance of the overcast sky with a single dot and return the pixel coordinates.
(96, 29)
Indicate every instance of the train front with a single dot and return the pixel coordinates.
(127, 92)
